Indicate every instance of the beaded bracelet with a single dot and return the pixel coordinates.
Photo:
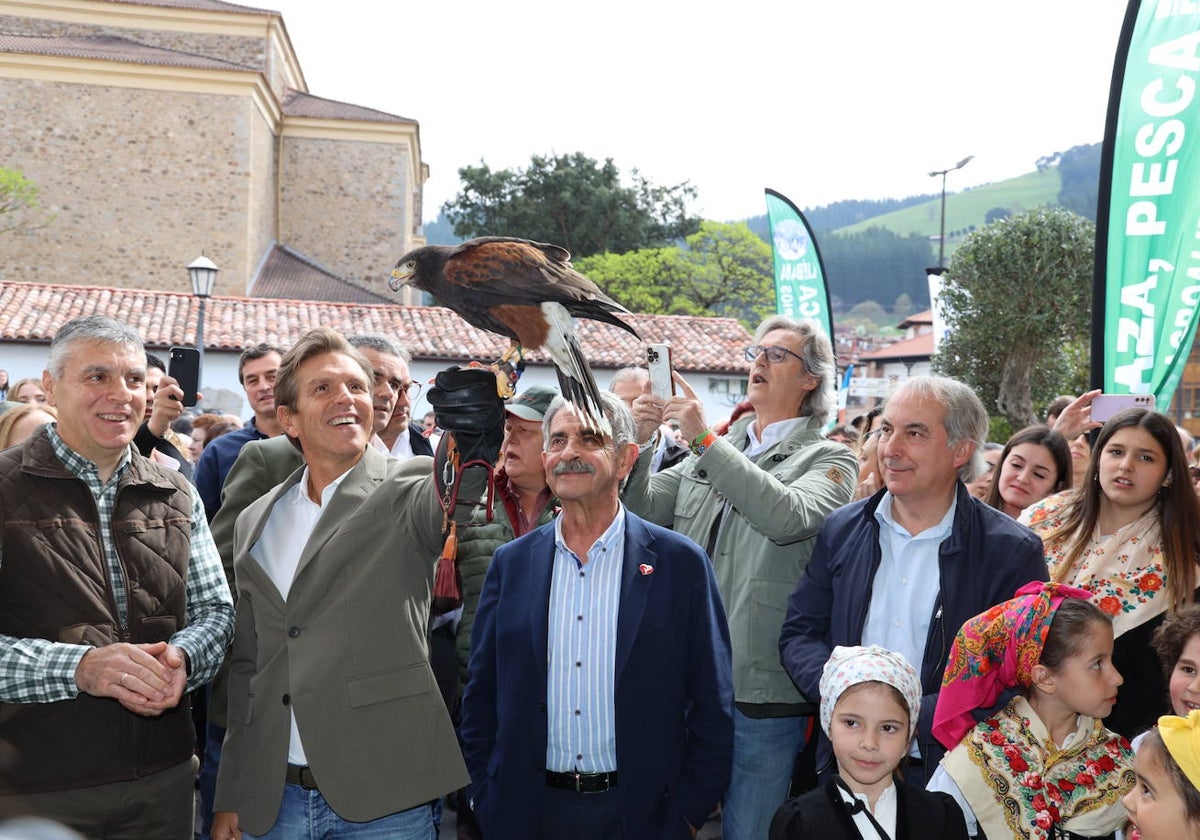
(702, 441)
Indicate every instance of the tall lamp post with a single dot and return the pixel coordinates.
(203, 273)
(941, 263)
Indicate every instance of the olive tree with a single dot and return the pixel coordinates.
(1017, 298)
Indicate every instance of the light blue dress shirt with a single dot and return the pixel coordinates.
(582, 651)
(906, 586)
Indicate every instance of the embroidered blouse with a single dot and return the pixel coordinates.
(1124, 570)
(1019, 783)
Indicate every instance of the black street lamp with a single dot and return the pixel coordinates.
(203, 273)
(941, 263)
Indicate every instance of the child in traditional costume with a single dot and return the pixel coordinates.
(870, 702)
(1165, 803)
(1045, 766)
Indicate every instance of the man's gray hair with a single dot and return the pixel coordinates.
(817, 354)
(966, 418)
(629, 374)
(89, 328)
(615, 411)
(380, 344)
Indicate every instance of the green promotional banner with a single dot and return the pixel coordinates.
(1148, 227)
(800, 290)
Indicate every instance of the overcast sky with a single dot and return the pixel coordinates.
(823, 101)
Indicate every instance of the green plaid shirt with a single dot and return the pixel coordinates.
(43, 671)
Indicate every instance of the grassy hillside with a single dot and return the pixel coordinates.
(969, 208)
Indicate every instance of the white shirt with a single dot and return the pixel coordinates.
(289, 525)
(401, 446)
(885, 812)
(906, 586)
(771, 435)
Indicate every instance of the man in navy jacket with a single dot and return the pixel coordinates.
(906, 567)
(599, 701)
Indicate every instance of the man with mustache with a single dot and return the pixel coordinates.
(600, 696)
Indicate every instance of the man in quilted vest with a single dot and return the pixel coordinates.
(113, 604)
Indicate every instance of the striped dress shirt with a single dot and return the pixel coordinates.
(581, 651)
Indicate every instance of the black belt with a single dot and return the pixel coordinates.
(301, 776)
(582, 782)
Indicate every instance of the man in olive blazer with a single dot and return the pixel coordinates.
(330, 657)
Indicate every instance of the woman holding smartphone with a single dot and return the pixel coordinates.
(1131, 536)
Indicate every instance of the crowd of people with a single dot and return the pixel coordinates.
(333, 622)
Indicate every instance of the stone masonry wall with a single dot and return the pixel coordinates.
(346, 205)
(139, 182)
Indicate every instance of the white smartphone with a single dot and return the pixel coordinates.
(1104, 406)
(658, 362)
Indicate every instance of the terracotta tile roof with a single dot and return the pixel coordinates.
(110, 48)
(290, 275)
(300, 104)
(920, 347)
(925, 317)
(201, 5)
(32, 312)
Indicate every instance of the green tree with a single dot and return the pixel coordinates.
(724, 269)
(870, 315)
(1018, 300)
(19, 206)
(572, 201)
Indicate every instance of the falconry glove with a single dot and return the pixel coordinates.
(465, 403)
(469, 410)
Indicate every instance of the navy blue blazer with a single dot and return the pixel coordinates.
(674, 687)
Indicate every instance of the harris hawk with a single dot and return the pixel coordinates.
(525, 290)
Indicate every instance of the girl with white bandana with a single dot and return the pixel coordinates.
(870, 702)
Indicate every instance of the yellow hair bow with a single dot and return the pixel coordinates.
(1182, 738)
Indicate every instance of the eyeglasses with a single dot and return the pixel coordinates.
(411, 389)
(775, 355)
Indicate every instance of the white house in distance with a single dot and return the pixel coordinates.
(885, 368)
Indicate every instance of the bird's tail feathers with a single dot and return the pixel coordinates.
(575, 378)
(600, 311)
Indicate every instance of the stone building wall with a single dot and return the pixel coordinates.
(346, 204)
(139, 181)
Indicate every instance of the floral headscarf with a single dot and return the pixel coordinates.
(849, 666)
(995, 650)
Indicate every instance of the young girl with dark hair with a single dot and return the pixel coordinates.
(1130, 536)
(870, 702)
(1045, 766)
(1035, 463)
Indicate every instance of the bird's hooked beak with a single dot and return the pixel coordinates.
(401, 274)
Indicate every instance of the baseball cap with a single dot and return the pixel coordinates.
(531, 404)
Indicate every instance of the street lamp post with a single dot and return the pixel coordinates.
(941, 264)
(203, 273)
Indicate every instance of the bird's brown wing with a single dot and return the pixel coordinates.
(501, 273)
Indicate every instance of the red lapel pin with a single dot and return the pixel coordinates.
(646, 569)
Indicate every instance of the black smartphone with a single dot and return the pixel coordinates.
(184, 368)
